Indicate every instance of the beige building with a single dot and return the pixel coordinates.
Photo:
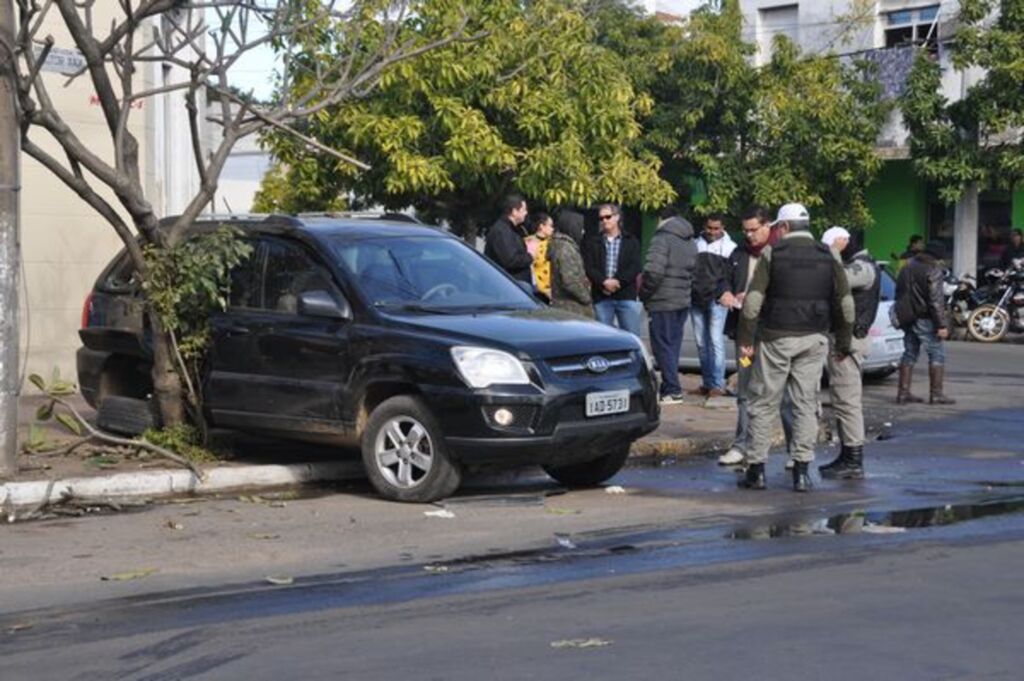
(65, 244)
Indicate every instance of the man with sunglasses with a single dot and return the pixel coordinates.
(613, 264)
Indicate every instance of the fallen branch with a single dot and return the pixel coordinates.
(96, 434)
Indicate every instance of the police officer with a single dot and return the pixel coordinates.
(799, 292)
(845, 384)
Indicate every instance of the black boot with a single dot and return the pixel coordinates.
(754, 477)
(801, 478)
(849, 465)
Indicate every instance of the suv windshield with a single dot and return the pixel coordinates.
(426, 274)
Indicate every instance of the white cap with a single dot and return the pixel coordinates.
(792, 212)
(833, 233)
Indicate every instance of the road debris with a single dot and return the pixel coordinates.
(435, 568)
(129, 576)
(442, 513)
(564, 541)
(19, 626)
(615, 489)
(279, 580)
(173, 524)
(581, 643)
(557, 510)
(881, 529)
(264, 536)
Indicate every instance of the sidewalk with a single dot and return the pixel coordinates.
(696, 427)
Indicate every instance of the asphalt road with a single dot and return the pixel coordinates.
(912, 574)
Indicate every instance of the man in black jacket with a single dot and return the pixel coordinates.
(612, 261)
(505, 240)
(1014, 251)
(921, 313)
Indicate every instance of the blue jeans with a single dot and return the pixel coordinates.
(922, 332)
(709, 329)
(627, 312)
(666, 339)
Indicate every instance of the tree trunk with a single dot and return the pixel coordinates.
(167, 385)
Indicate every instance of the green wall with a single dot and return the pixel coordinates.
(898, 204)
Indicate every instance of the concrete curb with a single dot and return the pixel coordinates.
(679, 447)
(170, 482)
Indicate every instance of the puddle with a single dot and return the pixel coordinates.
(883, 522)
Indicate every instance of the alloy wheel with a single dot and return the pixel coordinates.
(404, 452)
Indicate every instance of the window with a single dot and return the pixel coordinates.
(426, 274)
(912, 27)
(243, 286)
(290, 272)
(773, 21)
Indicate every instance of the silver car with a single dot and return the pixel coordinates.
(883, 355)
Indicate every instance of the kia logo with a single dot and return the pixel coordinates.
(597, 365)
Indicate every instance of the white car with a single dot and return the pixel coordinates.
(883, 356)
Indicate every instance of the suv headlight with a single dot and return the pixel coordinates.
(482, 367)
(648, 357)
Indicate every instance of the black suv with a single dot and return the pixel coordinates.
(397, 338)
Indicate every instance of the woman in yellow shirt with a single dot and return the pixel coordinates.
(537, 243)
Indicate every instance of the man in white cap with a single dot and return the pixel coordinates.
(798, 294)
(844, 373)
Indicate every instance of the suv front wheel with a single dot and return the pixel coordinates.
(591, 473)
(405, 454)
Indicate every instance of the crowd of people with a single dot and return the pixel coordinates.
(792, 304)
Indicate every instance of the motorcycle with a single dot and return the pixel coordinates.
(990, 322)
(962, 297)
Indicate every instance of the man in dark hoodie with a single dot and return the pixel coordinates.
(505, 244)
(666, 292)
(570, 289)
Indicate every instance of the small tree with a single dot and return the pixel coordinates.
(536, 105)
(976, 141)
(206, 39)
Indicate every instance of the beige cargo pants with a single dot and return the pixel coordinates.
(797, 363)
(846, 390)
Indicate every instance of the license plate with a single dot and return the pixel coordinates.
(611, 402)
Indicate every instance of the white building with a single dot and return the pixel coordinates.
(65, 243)
(885, 31)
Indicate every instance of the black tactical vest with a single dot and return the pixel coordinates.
(799, 296)
(865, 301)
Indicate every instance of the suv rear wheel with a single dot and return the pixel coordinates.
(405, 454)
(591, 473)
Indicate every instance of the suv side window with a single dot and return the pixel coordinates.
(243, 287)
(290, 272)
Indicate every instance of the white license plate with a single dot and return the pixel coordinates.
(611, 402)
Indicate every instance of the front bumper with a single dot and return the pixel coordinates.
(550, 423)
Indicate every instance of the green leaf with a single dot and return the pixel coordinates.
(45, 411)
(37, 381)
(70, 423)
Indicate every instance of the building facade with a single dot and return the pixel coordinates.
(890, 32)
(65, 244)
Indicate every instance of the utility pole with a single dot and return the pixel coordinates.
(10, 152)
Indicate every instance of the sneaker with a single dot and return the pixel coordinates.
(733, 457)
(790, 463)
(670, 399)
(701, 391)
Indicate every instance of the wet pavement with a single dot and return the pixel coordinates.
(958, 482)
(912, 573)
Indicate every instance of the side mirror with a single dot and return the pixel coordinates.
(323, 304)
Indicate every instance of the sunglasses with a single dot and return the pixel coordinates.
(606, 217)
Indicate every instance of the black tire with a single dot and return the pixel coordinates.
(443, 476)
(126, 415)
(879, 374)
(590, 473)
